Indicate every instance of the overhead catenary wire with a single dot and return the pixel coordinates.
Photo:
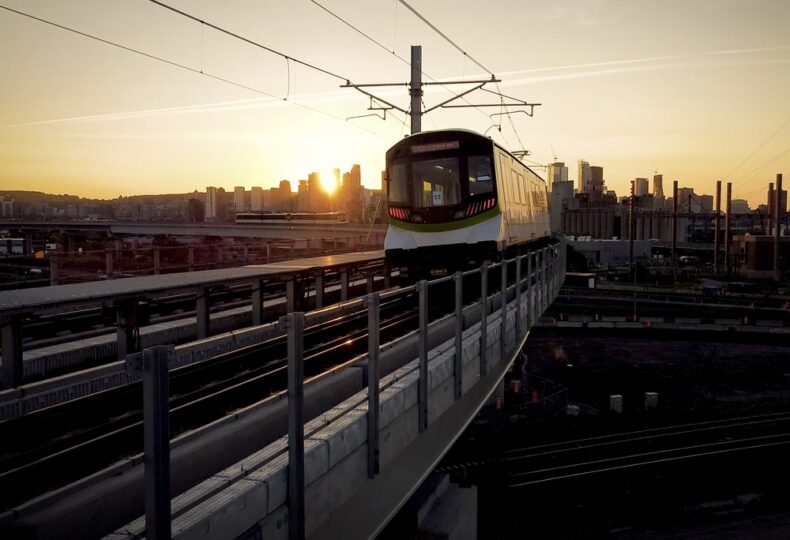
(172, 63)
(391, 51)
(248, 40)
(137, 51)
(477, 63)
(447, 39)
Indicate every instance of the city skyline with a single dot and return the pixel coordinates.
(700, 94)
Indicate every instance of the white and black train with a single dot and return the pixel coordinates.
(456, 198)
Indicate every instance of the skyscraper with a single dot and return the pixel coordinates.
(212, 203)
(640, 187)
(557, 172)
(238, 199)
(658, 185)
(302, 197)
(596, 181)
(585, 177)
(314, 192)
(256, 199)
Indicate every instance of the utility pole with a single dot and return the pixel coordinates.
(727, 223)
(415, 89)
(416, 84)
(716, 232)
(674, 227)
(632, 229)
(778, 226)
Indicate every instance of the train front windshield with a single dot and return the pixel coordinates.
(424, 182)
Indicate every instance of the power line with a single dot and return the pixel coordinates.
(771, 136)
(181, 66)
(481, 66)
(137, 51)
(247, 40)
(360, 32)
(391, 51)
(447, 39)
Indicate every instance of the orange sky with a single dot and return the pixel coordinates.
(698, 91)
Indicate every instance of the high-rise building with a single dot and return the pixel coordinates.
(658, 185)
(640, 187)
(256, 199)
(314, 192)
(286, 196)
(302, 197)
(212, 203)
(556, 172)
(351, 194)
(596, 182)
(238, 199)
(585, 177)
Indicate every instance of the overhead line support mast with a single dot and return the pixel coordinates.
(415, 111)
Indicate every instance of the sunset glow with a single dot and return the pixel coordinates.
(85, 117)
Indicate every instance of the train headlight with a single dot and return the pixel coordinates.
(417, 218)
(459, 214)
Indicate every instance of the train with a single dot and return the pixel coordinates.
(457, 199)
(292, 218)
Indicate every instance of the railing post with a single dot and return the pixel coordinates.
(422, 388)
(295, 326)
(543, 280)
(373, 385)
(369, 284)
(458, 368)
(156, 429)
(290, 295)
(202, 312)
(530, 292)
(344, 284)
(503, 311)
(257, 302)
(156, 261)
(483, 318)
(319, 290)
(518, 295)
(11, 340)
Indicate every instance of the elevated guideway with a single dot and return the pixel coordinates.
(231, 478)
(126, 299)
(229, 230)
(352, 477)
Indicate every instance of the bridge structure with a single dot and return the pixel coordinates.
(232, 230)
(337, 454)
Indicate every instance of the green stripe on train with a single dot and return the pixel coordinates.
(443, 227)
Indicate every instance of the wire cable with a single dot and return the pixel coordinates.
(248, 41)
(392, 51)
(447, 39)
(182, 66)
(477, 63)
(137, 51)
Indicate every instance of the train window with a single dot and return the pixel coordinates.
(436, 182)
(535, 196)
(520, 185)
(481, 179)
(504, 170)
(398, 184)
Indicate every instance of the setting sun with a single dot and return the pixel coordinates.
(329, 183)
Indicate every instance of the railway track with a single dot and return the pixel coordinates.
(58, 445)
(528, 466)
